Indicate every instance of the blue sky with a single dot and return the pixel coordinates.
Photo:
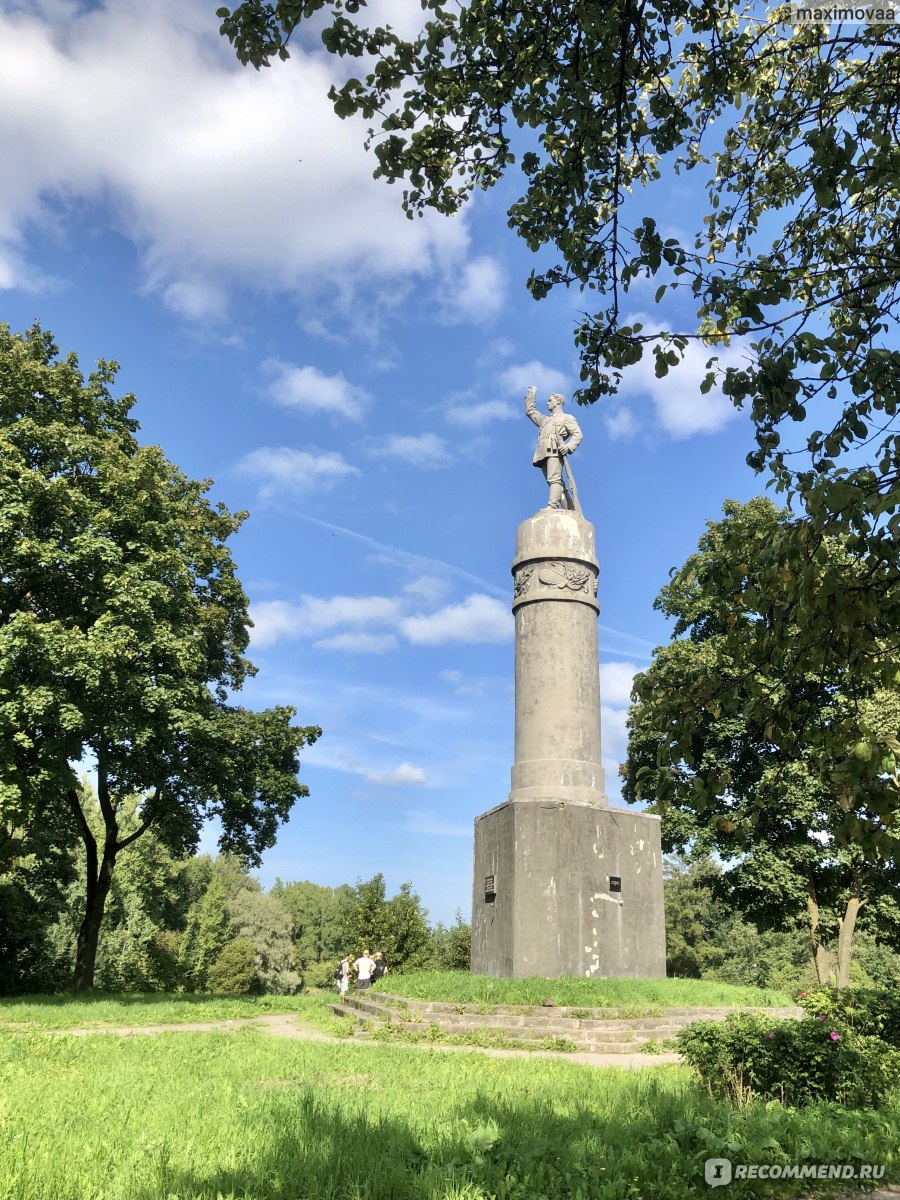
(355, 380)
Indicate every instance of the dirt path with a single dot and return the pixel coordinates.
(288, 1026)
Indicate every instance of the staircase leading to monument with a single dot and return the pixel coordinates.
(596, 1031)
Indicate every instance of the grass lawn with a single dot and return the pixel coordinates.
(244, 1116)
(153, 1008)
(461, 988)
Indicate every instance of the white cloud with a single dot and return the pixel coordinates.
(426, 451)
(519, 376)
(277, 619)
(477, 619)
(359, 643)
(309, 390)
(682, 410)
(613, 732)
(279, 468)
(477, 292)
(481, 416)
(370, 621)
(428, 587)
(620, 424)
(405, 775)
(220, 176)
(615, 682)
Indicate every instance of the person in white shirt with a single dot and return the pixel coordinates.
(364, 968)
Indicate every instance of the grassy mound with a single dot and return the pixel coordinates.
(457, 987)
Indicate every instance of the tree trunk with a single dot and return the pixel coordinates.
(99, 878)
(821, 957)
(845, 940)
(98, 885)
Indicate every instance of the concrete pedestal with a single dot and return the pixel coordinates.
(563, 885)
(567, 889)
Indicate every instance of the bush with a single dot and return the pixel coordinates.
(234, 971)
(321, 975)
(797, 1062)
(864, 1010)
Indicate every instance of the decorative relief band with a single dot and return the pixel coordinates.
(561, 577)
(566, 575)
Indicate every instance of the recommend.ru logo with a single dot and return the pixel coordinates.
(719, 1171)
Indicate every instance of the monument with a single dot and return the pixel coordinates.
(564, 884)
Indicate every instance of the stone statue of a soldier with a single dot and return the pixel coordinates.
(559, 435)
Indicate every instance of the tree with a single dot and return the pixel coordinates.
(788, 775)
(122, 634)
(398, 927)
(317, 919)
(266, 925)
(794, 127)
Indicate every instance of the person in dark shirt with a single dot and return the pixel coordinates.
(380, 968)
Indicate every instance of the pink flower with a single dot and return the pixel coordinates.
(770, 1035)
(803, 995)
(822, 1018)
(835, 1037)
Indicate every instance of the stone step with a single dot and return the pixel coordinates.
(702, 1013)
(552, 1021)
(584, 1044)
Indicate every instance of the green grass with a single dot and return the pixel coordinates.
(484, 1038)
(458, 987)
(244, 1116)
(155, 1008)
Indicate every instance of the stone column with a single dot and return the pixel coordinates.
(563, 884)
(557, 747)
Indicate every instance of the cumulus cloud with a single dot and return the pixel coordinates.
(614, 732)
(279, 468)
(615, 682)
(481, 416)
(370, 622)
(477, 619)
(277, 619)
(682, 410)
(477, 292)
(426, 451)
(519, 376)
(309, 390)
(621, 423)
(404, 775)
(221, 177)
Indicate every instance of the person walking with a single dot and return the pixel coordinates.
(344, 977)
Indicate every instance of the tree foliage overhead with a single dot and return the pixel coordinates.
(794, 131)
(790, 775)
(123, 627)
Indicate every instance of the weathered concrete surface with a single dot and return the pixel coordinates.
(557, 745)
(562, 884)
(554, 911)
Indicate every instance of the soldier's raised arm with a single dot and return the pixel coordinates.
(530, 407)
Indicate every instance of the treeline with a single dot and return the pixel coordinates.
(708, 936)
(205, 924)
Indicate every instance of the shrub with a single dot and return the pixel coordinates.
(234, 971)
(320, 975)
(872, 1011)
(797, 1062)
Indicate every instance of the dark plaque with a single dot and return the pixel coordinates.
(615, 883)
(490, 891)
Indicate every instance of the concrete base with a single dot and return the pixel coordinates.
(567, 889)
